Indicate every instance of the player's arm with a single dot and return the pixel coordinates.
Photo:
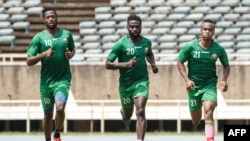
(151, 60)
(32, 60)
(118, 65)
(69, 53)
(224, 84)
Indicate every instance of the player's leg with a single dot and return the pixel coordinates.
(127, 105)
(209, 105)
(47, 101)
(195, 106)
(61, 95)
(140, 100)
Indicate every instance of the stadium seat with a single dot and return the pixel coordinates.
(104, 31)
(241, 10)
(5, 24)
(91, 45)
(242, 24)
(213, 16)
(121, 16)
(226, 37)
(167, 37)
(186, 38)
(118, 2)
(169, 55)
(242, 37)
(245, 2)
(4, 17)
(148, 23)
(8, 39)
(110, 38)
(227, 44)
(160, 30)
(243, 44)
(175, 3)
(142, 9)
(187, 24)
(91, 38)
(107, 24)
(166, 45)
(108, 45)
(231, 3)
(193, 3)
(6, 31)
(212, 3)
(182, 9)
(176, 16)
(103, 9)
(18, 17)
(234, 31)
(222, 9)
(86, 24)
(157, 17)
(231, 17)
(155, 2)
(163, 9)
(15, 10)
(84, 31)
(146, 30)
(122, 9)
(136, 3)
(245, 17)
(179, 30)
(194, 17)
(246, 30)
(224, 24)
(168, 24)
(194, 30)
(35, 10)
(31, 3)
(122, 31)
(100, 16)
(94, 58)
(12, 3)
(201, 9)
(152, 37)
(22, 25)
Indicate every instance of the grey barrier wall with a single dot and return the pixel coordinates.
(95, 82)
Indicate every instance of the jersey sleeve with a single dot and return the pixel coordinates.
(184, 53)
(224, 58)
(34, 46)
(115, 51)
(71, 44)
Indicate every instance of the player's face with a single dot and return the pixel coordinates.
(50, 19)
(207, 30)
(134, 28)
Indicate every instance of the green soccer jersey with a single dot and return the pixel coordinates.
(202, 62)
(124, 50)
(55, 68)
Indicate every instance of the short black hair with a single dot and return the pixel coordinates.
(134, 17)
(208, 21)
(48, 9)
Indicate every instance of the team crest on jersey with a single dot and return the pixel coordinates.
(65, 40)
(146, 49)
(214, 56)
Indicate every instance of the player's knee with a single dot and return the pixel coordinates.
(196, 123)
(140, 112)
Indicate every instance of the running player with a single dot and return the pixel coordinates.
(54, 47)
(131, 51)
(201, 80)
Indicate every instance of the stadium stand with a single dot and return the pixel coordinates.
(105, 20)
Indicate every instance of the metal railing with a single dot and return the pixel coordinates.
(109, 110)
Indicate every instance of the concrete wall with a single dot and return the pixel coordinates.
(95, 82)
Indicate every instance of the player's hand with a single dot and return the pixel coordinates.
(224, 86)
(67, 53)
(131, 63)
(49, 52)
(154, 69)
(190, 85)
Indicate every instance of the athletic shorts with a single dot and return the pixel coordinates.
(207, 93)
(50, 94)
(127, 95)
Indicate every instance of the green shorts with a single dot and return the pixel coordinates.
(50, 94)
(127, 95)
(207, 93)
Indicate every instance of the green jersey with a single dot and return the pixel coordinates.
(55, 68)
(124, 49)
(202, 62)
